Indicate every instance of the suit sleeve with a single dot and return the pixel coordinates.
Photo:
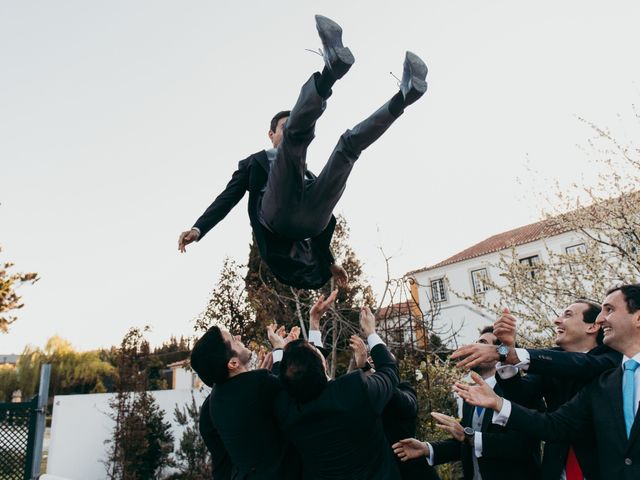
(526, 390)
(381, 385)
(508, 444)
(221, 463)
(570, 421)
(403, 402)
(571, 364)
(224, 202)
(446, 451)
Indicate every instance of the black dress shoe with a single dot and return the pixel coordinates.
(337, 58)
(413, 84)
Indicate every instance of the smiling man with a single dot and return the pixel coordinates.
(607, 406)
(556, 375)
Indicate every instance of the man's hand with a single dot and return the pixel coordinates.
(359, 351)
(480, 394)
(276, 335)
(505, 328)
(449, 424)
(319, 309)
(293, 334)
(475, 354)
(339, 275)
(410, 448)
(186, 238)
(367, 321)
(266, 362)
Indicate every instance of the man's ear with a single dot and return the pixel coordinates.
(270, 135)
(593, 327)
(233, 364)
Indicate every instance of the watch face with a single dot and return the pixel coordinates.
(468, 431)
(503, 350)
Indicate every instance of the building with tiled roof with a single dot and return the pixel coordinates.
(444, 284)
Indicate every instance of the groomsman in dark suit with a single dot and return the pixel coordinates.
(487, 451)
(399, 416)
(555, 375)
(607, 406)
(335, 424)
(290, 209)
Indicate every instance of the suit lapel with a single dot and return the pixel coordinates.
(467, 414)
(615, 387)
(262, 159)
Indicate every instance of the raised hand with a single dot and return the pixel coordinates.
(505, 328)
(410, 448)
(359, 351)
(449, 424)
(367, 321)
(474, 354)
(319, 309)
(276, 335)
(480, 394)
(266, 362)
(186, 238)
(293, 334)
(339, 275)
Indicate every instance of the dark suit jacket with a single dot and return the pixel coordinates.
(597, 408)
(339, 434)
(506, 454)
(557, 376)
(241, 412)
(220, 460)
(299, 263)
(399, 422)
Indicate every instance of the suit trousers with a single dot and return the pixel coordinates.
(297, 207)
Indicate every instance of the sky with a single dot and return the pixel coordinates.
(121, 121)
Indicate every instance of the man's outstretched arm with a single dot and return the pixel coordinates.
(220, 207)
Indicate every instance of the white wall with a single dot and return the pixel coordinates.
(463, 315)
(81, 424)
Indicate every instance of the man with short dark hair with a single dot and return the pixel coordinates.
(607, 406)
(240, 409)
(335, 424)
(290, 208)
(555, 375)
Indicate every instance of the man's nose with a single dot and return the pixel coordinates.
(559, 321)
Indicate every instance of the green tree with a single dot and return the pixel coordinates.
(192, 457)
(141, 442)
(10, 301)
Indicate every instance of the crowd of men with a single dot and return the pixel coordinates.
(287, 419)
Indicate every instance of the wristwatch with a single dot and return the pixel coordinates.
(503, 351)
(469, 432)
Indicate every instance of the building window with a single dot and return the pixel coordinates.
(438, 293)
(575, 249)
(532, 263)
(479, 279)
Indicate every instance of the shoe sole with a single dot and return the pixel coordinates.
(337, 57)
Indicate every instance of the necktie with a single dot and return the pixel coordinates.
(479, 411)
(572, 468)
(628, 393)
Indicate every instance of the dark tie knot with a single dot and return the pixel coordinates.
(631, 365)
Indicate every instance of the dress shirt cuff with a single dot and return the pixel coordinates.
(197, 230)
(506, 372)
(373, 340)
(277, 355)
(430, 456)
(524, 358)
(502, 417)
(315, 337)
(477, 444)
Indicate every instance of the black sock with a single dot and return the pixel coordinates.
(396, 105)
(324, 83)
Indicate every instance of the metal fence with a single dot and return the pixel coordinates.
(21, 433)
(17, 434)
